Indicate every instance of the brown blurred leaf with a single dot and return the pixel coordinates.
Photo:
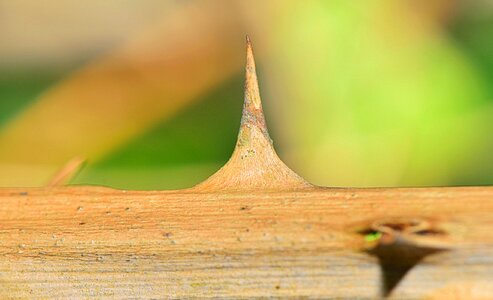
(124, 93)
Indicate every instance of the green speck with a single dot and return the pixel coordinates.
(373, 236)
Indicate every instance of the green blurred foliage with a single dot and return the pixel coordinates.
(180, 151)
(19, 88)
(387, 99)
(359, 93)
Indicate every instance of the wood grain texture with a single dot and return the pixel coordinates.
(89, 241)
(254, 229)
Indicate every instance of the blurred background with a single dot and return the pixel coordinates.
(356, 93)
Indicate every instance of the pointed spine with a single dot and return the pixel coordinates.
(254, 164)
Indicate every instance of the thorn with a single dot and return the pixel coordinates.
(253, 114)
(67, 172)
(254, 164)
(252, 95)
